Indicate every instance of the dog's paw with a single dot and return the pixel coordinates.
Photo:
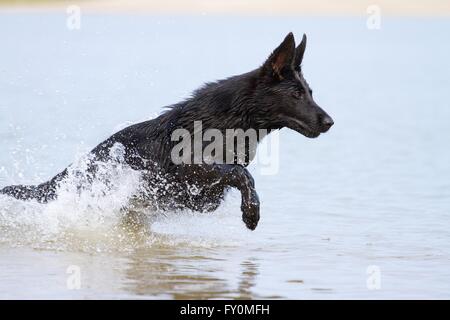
(250, 214)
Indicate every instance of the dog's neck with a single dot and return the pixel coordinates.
(225, 104)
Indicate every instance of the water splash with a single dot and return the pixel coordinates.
(92, 216)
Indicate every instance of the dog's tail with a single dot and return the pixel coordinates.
(43, 192)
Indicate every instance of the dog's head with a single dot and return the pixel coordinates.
(284, 96)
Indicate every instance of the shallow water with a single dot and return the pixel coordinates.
(372, 194)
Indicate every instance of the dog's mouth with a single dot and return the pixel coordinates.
(301, 127)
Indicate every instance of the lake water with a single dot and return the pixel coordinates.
(361, 212)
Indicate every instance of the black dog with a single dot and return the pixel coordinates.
(270, 97)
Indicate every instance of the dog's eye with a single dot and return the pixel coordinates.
(296, 94)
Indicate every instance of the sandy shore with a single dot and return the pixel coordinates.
(241, 7)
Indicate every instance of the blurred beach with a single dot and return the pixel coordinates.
(417, 8)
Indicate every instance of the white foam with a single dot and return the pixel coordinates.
(91, 218)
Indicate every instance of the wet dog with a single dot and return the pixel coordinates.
(271, 97)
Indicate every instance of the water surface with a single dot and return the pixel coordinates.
(374, 192)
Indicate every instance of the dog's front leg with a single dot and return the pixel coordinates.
(228, 175)
(240, 178)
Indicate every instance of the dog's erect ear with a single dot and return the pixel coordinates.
(299, 52)
(281, 58)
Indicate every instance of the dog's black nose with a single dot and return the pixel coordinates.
(327, 122)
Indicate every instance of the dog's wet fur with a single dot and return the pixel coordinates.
(270, 97)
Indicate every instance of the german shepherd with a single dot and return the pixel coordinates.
(271, 97)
